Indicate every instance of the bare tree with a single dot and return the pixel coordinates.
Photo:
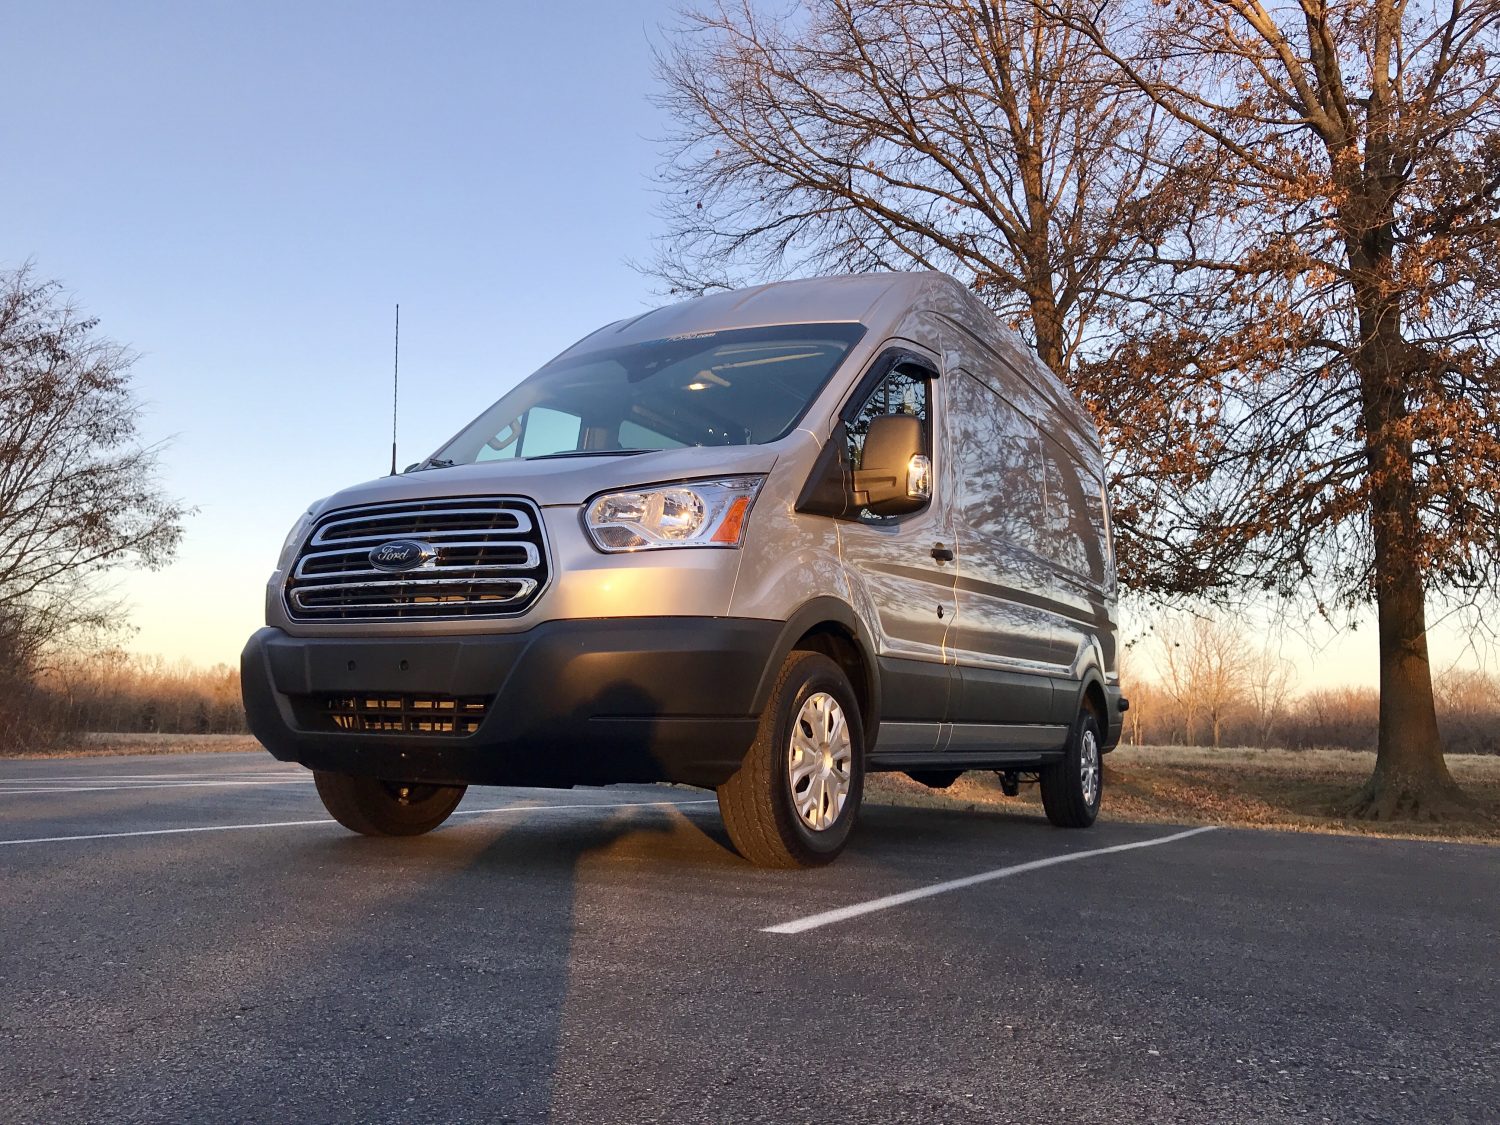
(1143, 694)
(846, 135)
(1332, 258)
(1175, 666)
(1269, 679)
(78, 493)
(1223, 671)
(1203, 666)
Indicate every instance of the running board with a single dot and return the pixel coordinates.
(967, 760)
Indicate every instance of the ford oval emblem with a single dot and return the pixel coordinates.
(401, 554)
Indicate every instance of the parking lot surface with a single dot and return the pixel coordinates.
(189, 937)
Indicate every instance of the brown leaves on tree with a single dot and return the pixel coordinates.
(1263, 243)
(1342, 267)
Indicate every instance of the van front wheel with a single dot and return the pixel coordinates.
(1073, 788)
(795, 797)
(385, 808)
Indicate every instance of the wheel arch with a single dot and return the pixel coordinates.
(830, 626)
(1093, 697)
(1096, 693)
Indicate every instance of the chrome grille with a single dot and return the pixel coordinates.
(479, 557)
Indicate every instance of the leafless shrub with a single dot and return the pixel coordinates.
(117, 692)
(1336, 718)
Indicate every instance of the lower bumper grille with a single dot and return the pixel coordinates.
(391, 713)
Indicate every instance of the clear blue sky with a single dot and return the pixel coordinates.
(244, 191)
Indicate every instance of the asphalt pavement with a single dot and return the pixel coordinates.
(189, 938)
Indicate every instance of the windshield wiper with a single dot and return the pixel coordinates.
(590, 453)
(435, 463)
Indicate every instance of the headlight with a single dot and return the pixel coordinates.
(707, 513)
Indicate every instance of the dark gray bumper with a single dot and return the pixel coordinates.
(571, 702)
(1115, 706)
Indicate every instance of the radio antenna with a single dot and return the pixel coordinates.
(395, 389)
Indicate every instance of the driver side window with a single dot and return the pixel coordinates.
(906, 390)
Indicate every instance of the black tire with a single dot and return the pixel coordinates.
(758, 803)
(373, 807)
(1064, 784)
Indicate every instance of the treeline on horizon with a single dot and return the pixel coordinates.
(1197, 679)
(119, 693)
(1199, 701)
(1334, 718)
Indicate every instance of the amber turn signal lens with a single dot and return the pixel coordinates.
(734, 521)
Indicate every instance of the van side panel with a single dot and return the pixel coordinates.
(1006, 617)
(1072, 538)
(1036, 581)
(788, 559)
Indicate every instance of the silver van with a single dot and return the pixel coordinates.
(763, 542)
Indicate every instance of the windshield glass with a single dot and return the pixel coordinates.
(744, 386)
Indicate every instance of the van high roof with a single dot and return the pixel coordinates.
(884, 302)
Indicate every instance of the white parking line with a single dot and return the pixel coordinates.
(327, 820)
(7, 790)
(47, 778)
(843, 913)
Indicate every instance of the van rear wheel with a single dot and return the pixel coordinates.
(795, 797)
(1073, 788)
(373, 807)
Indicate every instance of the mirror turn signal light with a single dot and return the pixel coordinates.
(919, 477)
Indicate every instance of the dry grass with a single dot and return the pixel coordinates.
(1292, 790)
(116, 745)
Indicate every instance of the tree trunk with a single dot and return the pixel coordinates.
(1411, 779)
(1047, 321)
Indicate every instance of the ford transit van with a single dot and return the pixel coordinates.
(764, 542)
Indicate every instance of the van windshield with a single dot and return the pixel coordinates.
(746, 386)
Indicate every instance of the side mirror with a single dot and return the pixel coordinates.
(895, 476)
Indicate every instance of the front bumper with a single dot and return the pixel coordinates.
(1115, 707)
(571, 702)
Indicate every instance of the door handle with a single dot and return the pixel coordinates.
(942, 553)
